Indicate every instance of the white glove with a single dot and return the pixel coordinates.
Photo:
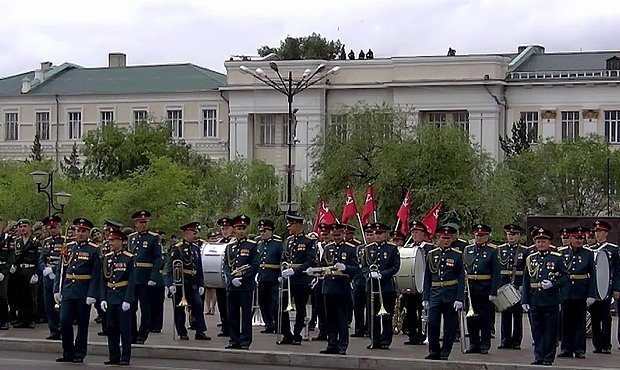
(1, 276)
(375, 275)
(310, 271)
(12, 269)
(34, 279)
(236, 282)
(340, 266)
(172, 289)
(47, 271)
(51, 276)
(492, 298)
(151, 283)
(166, 291)
(546, 284)
(104, 306)
(280, 279)
(57, 297)
(458, 305)
(426, 305)
(589, 301)
(125, 306)
(201, 290)
(90, 300)
(526, 307)
(288, 272)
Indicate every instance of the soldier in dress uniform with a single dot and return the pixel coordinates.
(241, 261)
(24, 272)
(512, 255)
(226, 231)
(601, 310)
(444, 286)
(316, 297)
(299, 253)
(340, 257)
(146, 248)
(482, 272)
(590, 238)
(158, 292)
(76, 291)
(543, 278)
(580, 293)
(564, 237)
(381, 262)
(118, 283)
(104, 249)
(349, 237)
(12, 293)
(193, 281)
(49, 265)
(7, 258)
(270, 251)
(359, 287)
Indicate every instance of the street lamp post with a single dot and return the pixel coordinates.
(290, 87)
(62, 198)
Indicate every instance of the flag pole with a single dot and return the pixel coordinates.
(359, 219)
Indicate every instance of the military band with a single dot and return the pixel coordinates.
(24, 271)
(270, 252)
(49, 265)
(226, 233)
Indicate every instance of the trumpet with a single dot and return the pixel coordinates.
(322, 271)
(239, 271)
(289, 306)
(179, 279)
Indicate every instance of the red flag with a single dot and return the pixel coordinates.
(403, 214)
(369, 205)
(350, 209)
(324, 215)
(431, 218)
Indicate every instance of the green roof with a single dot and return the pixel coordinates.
(75, 80)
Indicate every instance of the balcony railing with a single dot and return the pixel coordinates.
(564, 75)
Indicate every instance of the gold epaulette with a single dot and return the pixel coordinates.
(371, 244)
(390, 244)
(277, 237)
(49, 237)
(132, 234)
(562, 248)
(157, 235)
(556, 254)
(587, 247)
(108, 254)
(251, 241)
(349, 244)
(432, 250)
(456, 250)
(357, 241)
(311, 236)
(494, 246)
(128, 254)
(463, 240)
(179, 244)
(94, 245)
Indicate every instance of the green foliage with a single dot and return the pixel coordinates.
(309, 47)
(37, 151)
(519, 141)
(71, 166)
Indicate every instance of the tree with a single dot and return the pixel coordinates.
(520, 140)
(309, 47)
(71, 166)
(37, 150)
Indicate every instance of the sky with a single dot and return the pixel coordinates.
(208, 32)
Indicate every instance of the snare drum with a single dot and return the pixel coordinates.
(603, 280)
(212, 264)
(507, 296)
(410, 277)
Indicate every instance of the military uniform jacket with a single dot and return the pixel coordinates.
(339, 282)
(538, 267)
(50, 253)
(613, 255)
(581, 273)
(482, 269)
(270, 252)
(387, 258)
(359, 280)
(118, 278)
(512, 258)
(7, 253)
(82, 271)
(192, 268)
(240, 252)
(459, 244)
(300, 253)
(146, 248)
(27, 252)
(444, 277)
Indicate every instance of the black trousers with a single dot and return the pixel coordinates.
(437, 311)
(4, 299)
(479, 326)
(40, 313)
(144, 301)
(336, 321)
(545, 331)
(574, 326)
(220, 294)
(74, 309)
(53, 318)
(26, 299)
(319, 305)
(240, 317)
(359, 309)
(300, 294)
(157, 306)
(268, 302)
(119, 331)
(382, 337)
(413, 320)
(512, 326)
(601, 324)
(193, 299)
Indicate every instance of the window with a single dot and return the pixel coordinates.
(175, 118)
(461, 119)
(140, 116)
(106, 117)
(267, 129)
(75, 125)
(437, 119)
(612, 126)
(339, 124)
(11, 120)
(531, 122)
(42, 125)
(570, 125)
(613, 63)
(209, 122)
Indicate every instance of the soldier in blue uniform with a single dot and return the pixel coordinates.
(444, 285)
(544, 276)
(512, 255)
(158, 292)
(359, 287)
(7, 258)
(299, 253)
(49, 265)
(146, 248)
(226, 231)
(192, 285)
(241, 260)
(118, 282)
(24, 271)
(317, 299)
(270, 252)
(580, 293)
(76, 291)
(381, 262)
(482, 272)
(349, 237)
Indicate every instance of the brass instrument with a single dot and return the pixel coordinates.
(289, 307)
(179, 279)
(399, 316)
(323, 271)
(63, 257)
(239, 271)
(470, 310)
(463, 316)
(382, 310)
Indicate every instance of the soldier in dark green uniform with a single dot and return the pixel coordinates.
(543, 278)
(580, 293)
(7, 258)
(316, 297)
(349, 237)
(49, 265)
(118, 282)
(76, 291)
(380, 263)
(270, 251)
(104, 248)
(482, 271)
(158, 292)
(226, 231)
(12, 293)
(340, 257)
(146, 248)
(444, 284)
(359, 288)
(299, 254)
(24, 272)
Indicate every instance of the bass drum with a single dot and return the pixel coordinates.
(410, 277)
(603, 279)
(212, 264)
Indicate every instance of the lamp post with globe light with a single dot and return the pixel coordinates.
(55, 201)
